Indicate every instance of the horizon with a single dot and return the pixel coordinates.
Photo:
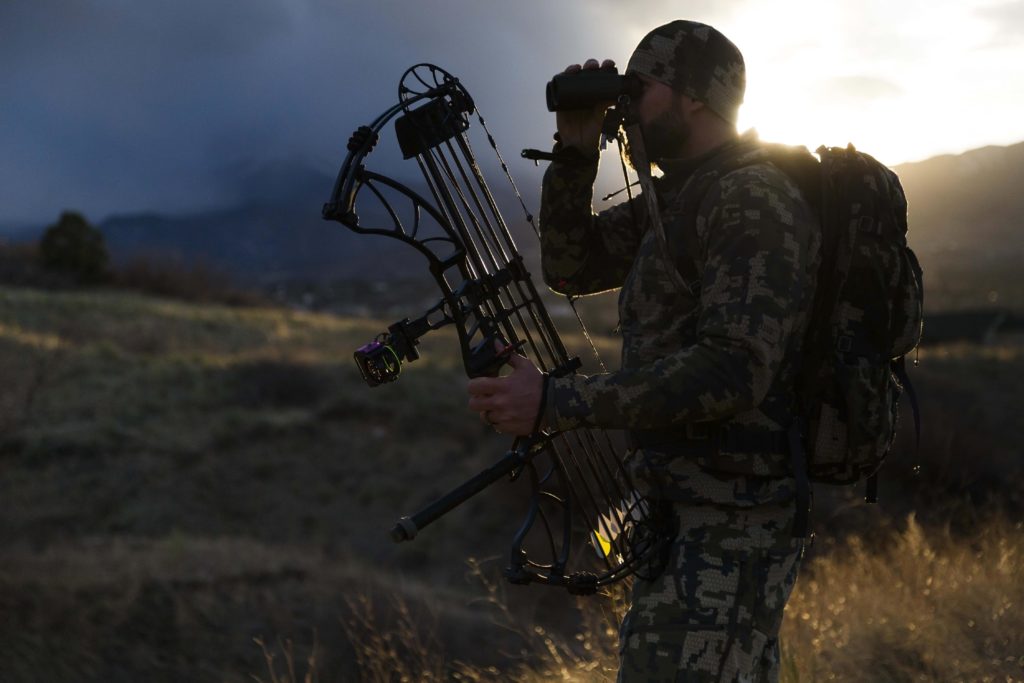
(116, 109)
(12, 227)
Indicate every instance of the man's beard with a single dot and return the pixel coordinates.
(664, 138)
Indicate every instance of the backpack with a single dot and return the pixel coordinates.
(867, 311)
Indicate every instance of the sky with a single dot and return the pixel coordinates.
(118, 106)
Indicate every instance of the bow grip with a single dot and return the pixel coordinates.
(485, 360)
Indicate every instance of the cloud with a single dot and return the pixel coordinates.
(1006, 20)
(859, 88)
(128, 106)
(104, 28)
(107, 103)
(117, 105)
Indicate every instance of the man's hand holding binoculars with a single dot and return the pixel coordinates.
(581, 128)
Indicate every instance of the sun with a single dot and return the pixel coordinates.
(828, 73)
(874, 116)
(802, 86)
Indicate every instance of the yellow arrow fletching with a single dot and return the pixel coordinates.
(602, 545)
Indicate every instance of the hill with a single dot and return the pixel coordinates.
(964, 215)
(273, 233)
(178, 479)
(964, 212)
(969, 204)
(965, 220)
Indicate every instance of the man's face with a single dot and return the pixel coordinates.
(662, 122)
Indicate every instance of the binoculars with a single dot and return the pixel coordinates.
(589, 88)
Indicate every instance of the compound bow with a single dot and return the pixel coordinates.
(579, 484)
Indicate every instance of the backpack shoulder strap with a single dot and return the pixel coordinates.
(681, 245)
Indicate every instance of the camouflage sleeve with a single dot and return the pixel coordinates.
(583, 253)
(758, 277)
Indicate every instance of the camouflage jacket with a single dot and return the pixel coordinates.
(719, 360)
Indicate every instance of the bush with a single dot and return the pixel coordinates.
(21, 266)
(173, 278)
(73, 246)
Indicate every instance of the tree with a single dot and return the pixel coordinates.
(73, 246)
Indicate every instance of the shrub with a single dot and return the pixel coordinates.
(73, 246)
(173, 278)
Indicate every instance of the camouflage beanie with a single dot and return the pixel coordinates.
(696, 60)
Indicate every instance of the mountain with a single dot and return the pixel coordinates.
(965, 207)
(971, 203)
(275, 232)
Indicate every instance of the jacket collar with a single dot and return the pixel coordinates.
(677, 171)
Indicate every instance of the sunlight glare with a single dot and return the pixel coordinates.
(823, 73)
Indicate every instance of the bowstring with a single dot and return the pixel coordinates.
(586, 488)
(536, 231)
(584, 436)
(589, 436)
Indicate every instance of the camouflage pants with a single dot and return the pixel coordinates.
(714, 613)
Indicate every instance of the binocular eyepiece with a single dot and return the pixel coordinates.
(589, 88)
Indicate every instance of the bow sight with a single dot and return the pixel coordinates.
(378, 363)
(580, 489)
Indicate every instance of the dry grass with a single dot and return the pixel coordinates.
(178, 479)
(405, 638)
(288, 674)
(927, 607)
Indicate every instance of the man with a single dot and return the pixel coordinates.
(706, 387)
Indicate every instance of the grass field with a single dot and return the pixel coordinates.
(179, 479)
